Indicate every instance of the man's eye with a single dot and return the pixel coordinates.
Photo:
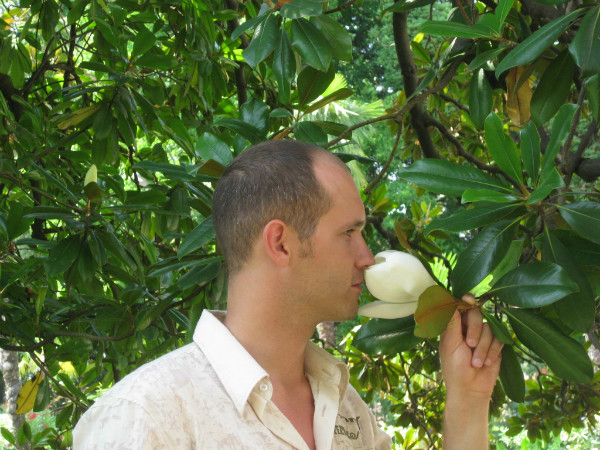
(349, 232)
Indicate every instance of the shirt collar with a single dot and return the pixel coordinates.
(237, 370)
(323, 366)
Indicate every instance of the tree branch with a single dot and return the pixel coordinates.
(411, 82)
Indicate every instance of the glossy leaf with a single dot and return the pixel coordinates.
(386, 336)
(585, 48)
(577, 309)
(584, 217)
(565, 356)
(502, 147)
(249, 132)
(311, 44)
(339, 38)
(62, 255)
(249, 25)
(312, 83)
(518, 96)
(301, 8)
(263, 42)
(480, 98)
(560, 130)
(208, 147)
(511, 375)
(549, 181)
(340, 94)
(592, 90)
(406, 5)
(532, 47)
(435, 308)
(534, 285)
(196, 238)
(469, 219)
(455, 29)
(144, 41)
(311, 133)
(486, 195)
(481, 256)
(284, 66)
(256, 113)
(553, 88)
(498, 328)
(444, 177)
(530, 150)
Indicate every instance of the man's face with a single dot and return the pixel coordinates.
(331, 274)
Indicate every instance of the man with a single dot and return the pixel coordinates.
(288, 219)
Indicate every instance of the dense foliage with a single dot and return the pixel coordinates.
(117, 118)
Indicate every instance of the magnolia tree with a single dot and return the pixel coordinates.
(117, 118)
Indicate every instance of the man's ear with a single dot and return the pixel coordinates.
(276, 241)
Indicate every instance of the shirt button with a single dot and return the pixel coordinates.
(264, 387)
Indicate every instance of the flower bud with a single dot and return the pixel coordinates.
(397, 279)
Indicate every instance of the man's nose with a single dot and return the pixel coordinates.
(365, 258)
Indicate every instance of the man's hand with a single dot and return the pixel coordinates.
(470, 356)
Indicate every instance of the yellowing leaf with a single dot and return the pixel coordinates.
(434, 310)
(28, 393)
(518, 96)
(79, 116)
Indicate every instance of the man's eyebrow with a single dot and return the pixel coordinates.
(358, 224)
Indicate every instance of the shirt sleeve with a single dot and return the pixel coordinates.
(122, 425)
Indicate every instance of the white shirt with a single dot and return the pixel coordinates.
(211, 394)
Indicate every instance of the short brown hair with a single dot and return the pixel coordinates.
(271, 180)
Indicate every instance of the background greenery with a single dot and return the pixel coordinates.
(470, 127)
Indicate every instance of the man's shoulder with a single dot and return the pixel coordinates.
(168, 376)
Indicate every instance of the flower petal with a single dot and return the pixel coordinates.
(385, 310)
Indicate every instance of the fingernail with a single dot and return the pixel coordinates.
(471, 342)
(488, 362)
(477, 362)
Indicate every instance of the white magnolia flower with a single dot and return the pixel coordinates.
(397, 279)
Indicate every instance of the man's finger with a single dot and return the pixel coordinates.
(474, 323)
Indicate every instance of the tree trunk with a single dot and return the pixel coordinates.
(326, 332)
(12, 382)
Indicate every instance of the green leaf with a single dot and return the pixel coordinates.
(592, 91)
(208, 146)
(560, 130)
(196, 238)
(312, 83)
(481, 256)
(470, 219)
(249, 25)
(498, 328)
(480, 98)
(511, 375)
(435, 308)
(585, 252)
(263, 42)
(584, 217)
(502, 148)
(534, 285)
(62, 255)
(577, 309)
(256, 113)
(249, 132)
(486, 195)
(530, 150)
(444, 177)
(585, 48)
(144, 41)
(553, 88)
(483, 58)
(311, 44)
(406, 5)
(532, 47)
(199, 276)
(340, 94)
(501, 12)
(565, 356)
(386, 336)
(171, 171)
(455, 29)
(339, 38)
(301, 8)
(549, 181)
(311, 133)
(284, 66)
